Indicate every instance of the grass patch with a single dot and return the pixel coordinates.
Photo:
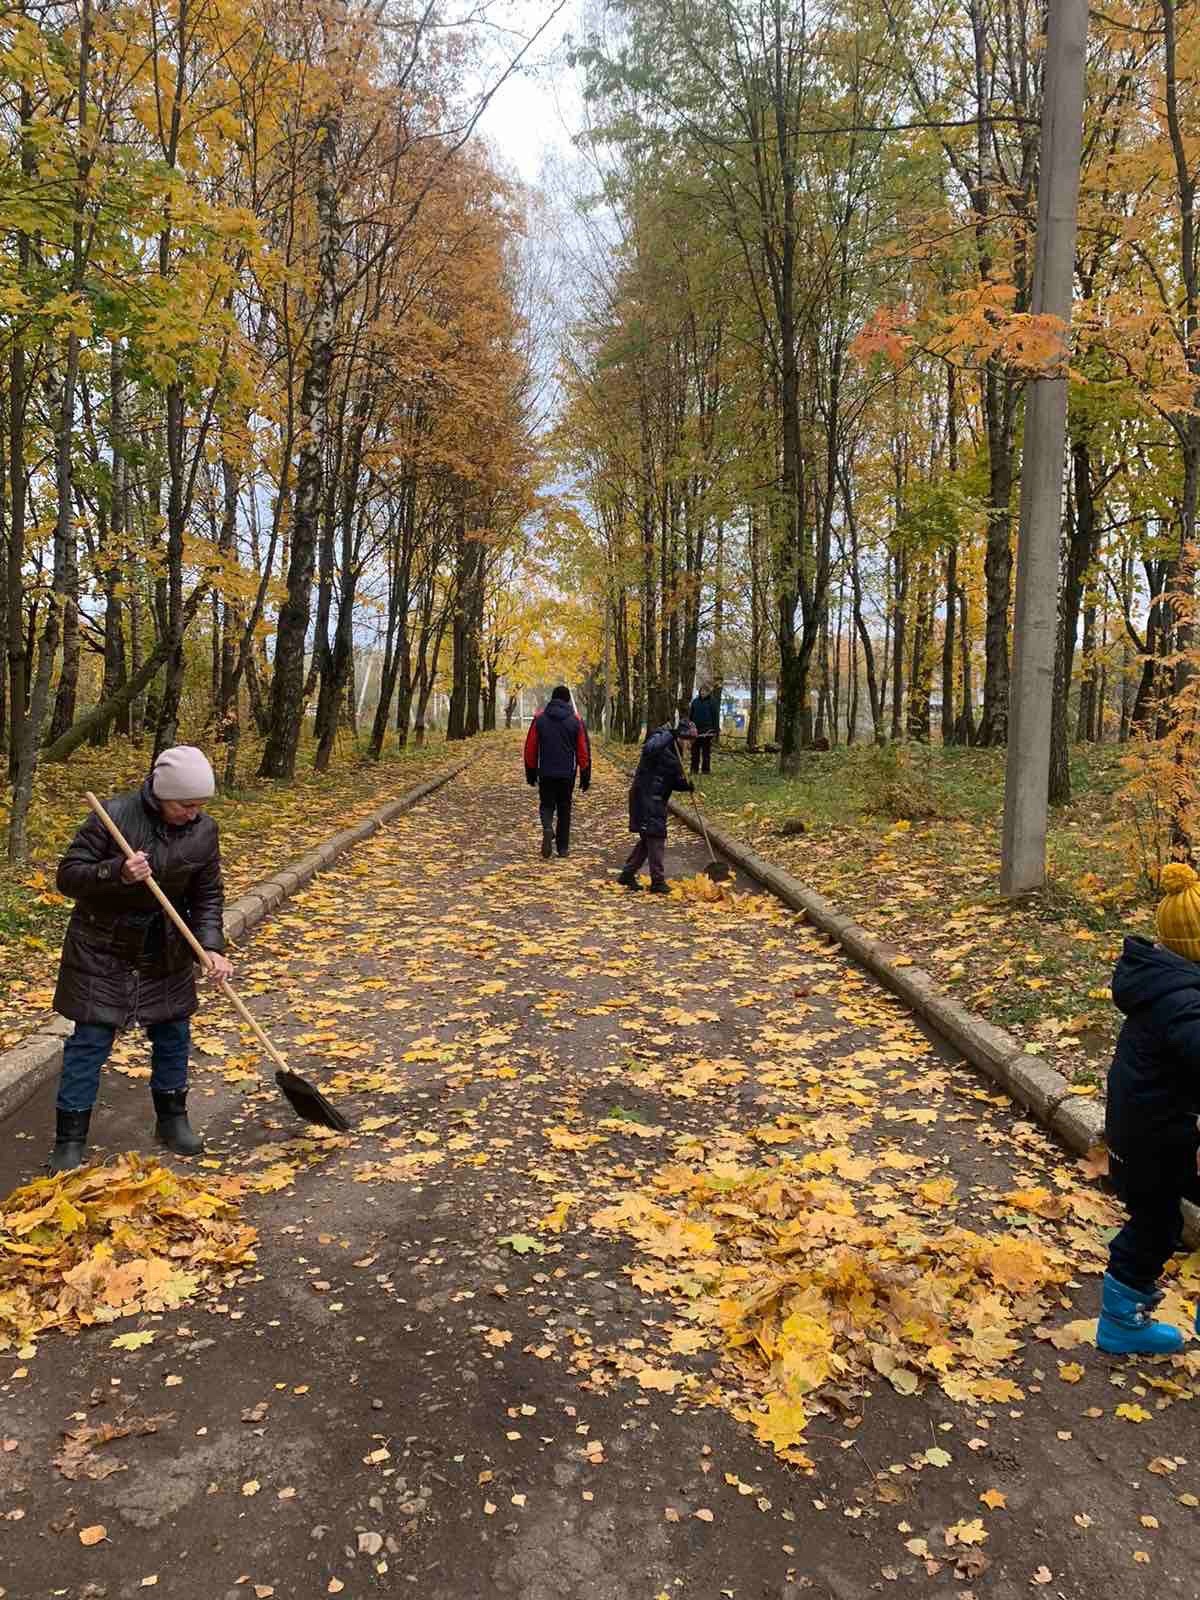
(906, 841)
(626, 1114)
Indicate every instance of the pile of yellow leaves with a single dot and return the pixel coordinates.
(703, 889)
(809, 1298)
(110, 1241)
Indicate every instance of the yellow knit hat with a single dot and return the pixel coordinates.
(1177, 922)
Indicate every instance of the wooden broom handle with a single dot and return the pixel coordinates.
(197, 948)
(696, 805)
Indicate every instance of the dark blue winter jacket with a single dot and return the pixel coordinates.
(557, 744)
(1154, 1080)
(705, 712)
(659, 773)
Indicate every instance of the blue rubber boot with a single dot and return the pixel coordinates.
(1126, 1327)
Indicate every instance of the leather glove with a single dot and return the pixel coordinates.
(585, 781)
(531, 779)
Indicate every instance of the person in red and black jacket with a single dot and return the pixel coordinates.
(556, 747)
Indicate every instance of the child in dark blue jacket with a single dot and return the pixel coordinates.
(1151, 1119)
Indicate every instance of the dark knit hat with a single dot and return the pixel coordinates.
(684, 729)
(561, 693)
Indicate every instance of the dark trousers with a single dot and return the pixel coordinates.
(650, 847)
(554, 808)
(89, 1047)
(702, 753)
(1151, 1192)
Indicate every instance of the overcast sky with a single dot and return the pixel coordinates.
(537, 109)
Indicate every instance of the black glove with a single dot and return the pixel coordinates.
(585, 780)
(531, 778)
(690, 788)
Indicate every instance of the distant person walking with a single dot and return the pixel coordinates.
(705, 714)
(123, 964)
(556, 748)
(659, 774)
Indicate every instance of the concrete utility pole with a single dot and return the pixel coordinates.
(1035, 620)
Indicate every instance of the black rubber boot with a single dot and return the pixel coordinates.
(660, 886)
(628, 880)
(547, 843)
(70, 1140)
(174, 1129)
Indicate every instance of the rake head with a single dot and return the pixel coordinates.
(309, 1103)
(718, 872)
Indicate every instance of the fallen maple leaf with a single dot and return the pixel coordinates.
(132, 1341)
(1133, 1413)
(524, 1244)
(665, 1379)
(967, 1532)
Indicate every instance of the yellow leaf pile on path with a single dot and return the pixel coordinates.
(807, 1294)
(111, 1241)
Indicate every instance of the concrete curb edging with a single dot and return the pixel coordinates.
(1045, 1093)
(28, 1065)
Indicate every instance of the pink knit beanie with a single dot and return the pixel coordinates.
(183, 773)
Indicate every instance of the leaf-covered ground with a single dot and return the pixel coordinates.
(907, 842)
(263, 827)
(667, 1257)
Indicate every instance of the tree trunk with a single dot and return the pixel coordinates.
(999, 404)
(899, 632)
(287, 679)
(18, 656)
(966, 733)
(115, 672)
(67, 695)
(64, 531)
(1080, 552)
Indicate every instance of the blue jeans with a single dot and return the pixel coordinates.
(88, 1048)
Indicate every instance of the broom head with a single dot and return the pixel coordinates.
(718, 872)
(309, 1103)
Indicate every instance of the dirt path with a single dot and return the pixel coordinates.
(491, 1344)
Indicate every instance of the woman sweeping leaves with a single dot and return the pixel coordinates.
(659, 774)
(123, 964)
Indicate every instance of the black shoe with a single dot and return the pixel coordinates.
(563, 854)
(70, 1140)
(173, 1128)
(547, 844)
(628, 880)
(660, 886)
